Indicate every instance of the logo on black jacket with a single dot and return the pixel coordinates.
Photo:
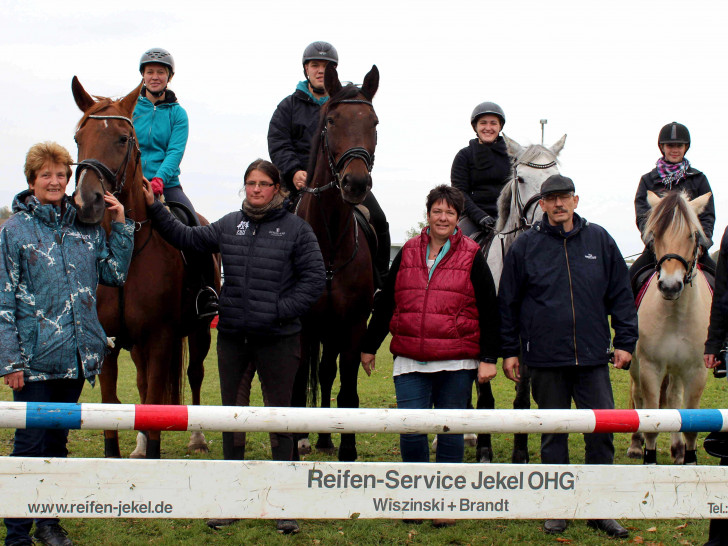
(590, 256)
(277, 232)
(243, 227)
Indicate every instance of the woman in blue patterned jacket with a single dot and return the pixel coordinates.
(50, 335)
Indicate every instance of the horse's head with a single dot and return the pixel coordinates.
(518, 202)
(108, 152)
(348, 131)
(675, 231)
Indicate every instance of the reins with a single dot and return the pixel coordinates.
(522, 209)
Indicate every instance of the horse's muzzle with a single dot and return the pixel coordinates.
(355, 188)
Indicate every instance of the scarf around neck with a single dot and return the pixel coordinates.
(258, 213)
(672, 173)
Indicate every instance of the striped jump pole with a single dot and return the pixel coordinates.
(124, 488)
(362, 420)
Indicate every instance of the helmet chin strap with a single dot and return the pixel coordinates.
(155, 94)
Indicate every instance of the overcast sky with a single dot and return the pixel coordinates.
(609, 74)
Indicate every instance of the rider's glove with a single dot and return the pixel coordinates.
(157, 186)
(487, 222)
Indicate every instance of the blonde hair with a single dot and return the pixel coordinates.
(46, 152)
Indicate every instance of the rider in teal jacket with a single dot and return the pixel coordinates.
(162, 128)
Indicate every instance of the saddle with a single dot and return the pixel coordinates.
(361, 214)
(183, 213)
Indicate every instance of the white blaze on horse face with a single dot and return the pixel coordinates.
(78, 194)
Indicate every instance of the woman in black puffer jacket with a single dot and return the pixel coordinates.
(273, 274)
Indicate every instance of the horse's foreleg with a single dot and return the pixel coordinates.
(107, 379)
(199, 345)
(651, 376)
(635, 447)
(484, 448)
(327, 375)
(692, 392)
(348, 396)
(522, 401)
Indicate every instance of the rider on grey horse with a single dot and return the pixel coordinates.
(481, 169)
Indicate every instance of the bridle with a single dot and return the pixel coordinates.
(339, 166)
(103, 172)
(691, 268)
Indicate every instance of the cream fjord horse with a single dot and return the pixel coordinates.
(668, 370)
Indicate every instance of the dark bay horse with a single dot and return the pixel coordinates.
(339, 178)
(154, 310)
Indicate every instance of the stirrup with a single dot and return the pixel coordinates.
(211, 305)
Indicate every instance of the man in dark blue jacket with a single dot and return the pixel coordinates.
(561, 281)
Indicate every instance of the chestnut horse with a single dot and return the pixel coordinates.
(339, 178)
(153, 312)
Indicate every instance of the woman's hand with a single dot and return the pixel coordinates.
(115, 208)
(15, 380)
(148, 193)
(486, 372)
(367, 362)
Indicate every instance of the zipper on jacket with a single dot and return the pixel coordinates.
(573, 312)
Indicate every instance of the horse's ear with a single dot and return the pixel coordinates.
(558, 146)
(84, 101)
(514, 149)
(653, 199)
(371, 83)
(128, 103)
(331, 80)
(699, 203)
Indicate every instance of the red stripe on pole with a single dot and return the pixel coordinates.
(158, 417)
(616, 420)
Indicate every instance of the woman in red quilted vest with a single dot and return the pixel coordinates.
(439, 303)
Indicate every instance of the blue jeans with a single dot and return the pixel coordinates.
(40, 442)
(441, 390)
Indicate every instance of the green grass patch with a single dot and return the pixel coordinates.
(376, 392)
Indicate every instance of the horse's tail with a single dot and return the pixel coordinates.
(312, 354)
(174, 385)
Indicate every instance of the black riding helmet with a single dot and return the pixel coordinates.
(487, 108)
(675, 133)
(319, 51)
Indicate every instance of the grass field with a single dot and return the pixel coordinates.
(378, 392)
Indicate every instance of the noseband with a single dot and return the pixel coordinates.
(102, 171)
(690, 268)
(339, 166)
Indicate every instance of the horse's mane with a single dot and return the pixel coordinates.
(347, 92)
(672, 216)
(527, 155)
(100, 104)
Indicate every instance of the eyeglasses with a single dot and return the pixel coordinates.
(552, 197)
(252, 184)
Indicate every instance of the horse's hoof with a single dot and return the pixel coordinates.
(137, 455)
(471, 440)
(304, 447)
(484, 455)
(434, 445)
(347, 454)
(650, 456)
(520, 457)
(678, 453)
(634, 453)
(197, 443)
(199, 449)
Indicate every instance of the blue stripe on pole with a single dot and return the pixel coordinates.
(49, 415)
(700, 420)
